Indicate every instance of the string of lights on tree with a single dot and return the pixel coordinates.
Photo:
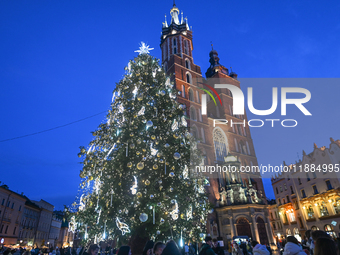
(136, 177)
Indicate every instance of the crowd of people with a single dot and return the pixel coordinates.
(314, 243)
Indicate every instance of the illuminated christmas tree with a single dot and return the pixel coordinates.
(136, 176)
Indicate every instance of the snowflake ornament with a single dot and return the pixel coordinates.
(144, 49)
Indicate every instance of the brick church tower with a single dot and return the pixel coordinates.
(239, 198)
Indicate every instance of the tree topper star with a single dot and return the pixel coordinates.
(144, 49)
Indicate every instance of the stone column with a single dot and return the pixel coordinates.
(232, 227)
(255, 229)
(269, 233)
(252, 230)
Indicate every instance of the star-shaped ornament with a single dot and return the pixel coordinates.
(144, 49)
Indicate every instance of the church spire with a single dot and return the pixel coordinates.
(174, 15)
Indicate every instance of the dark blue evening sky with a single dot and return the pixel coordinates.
(60, 61)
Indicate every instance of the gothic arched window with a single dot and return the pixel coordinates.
(183, 91)
(220, 144)
(187, 64)
(194, 132)
(191, 95)
(186, 48)
(174, 45)
(188, 76)
(193, 113)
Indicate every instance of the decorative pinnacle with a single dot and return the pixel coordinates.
(212, 46)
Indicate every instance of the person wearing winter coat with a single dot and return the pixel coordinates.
(293, 247)
(206, 247)
(259, 249)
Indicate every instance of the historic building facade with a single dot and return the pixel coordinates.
(239, 198)
(308, 195)
(29, 223)
(44, 225)
(11, 210)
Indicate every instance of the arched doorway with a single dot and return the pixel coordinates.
(243, 227)
(261, 228)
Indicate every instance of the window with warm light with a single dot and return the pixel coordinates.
(291, 215)
(323, 209)
(336, 205)
(310, 212)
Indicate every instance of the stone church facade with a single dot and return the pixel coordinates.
(239, 198)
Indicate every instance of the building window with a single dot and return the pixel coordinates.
(189, 80)
(198, 96)
(303, 193)
(187, 64)
(281, 189)
(323, 209)
(336, 206)
(8, 203)
(14, 230)
(191, 95)
(291, 190)
(12, 206)
(296, 205)
(165, 66)
(329, 185)
(314, 175)
(285, 186)
(277, 190)
(19, 208)
(194, 132)
(285, 219)
(283, 201)
(6, 229)
(2, 227)
(174, 45)
(291, 215)
(186, 47)
(193, 113)
(288, 200)
(203, 135)
(330, 231)
(299, 180)
(183, 91)
(315, 190)
(310, 212)
(3, 201)
(279, 201)
(274, 226)
(220, 144)
(164, 51)
(307, 175)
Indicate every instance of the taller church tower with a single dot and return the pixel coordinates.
(239, 198)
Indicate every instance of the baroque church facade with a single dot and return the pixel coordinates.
(239, 198)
